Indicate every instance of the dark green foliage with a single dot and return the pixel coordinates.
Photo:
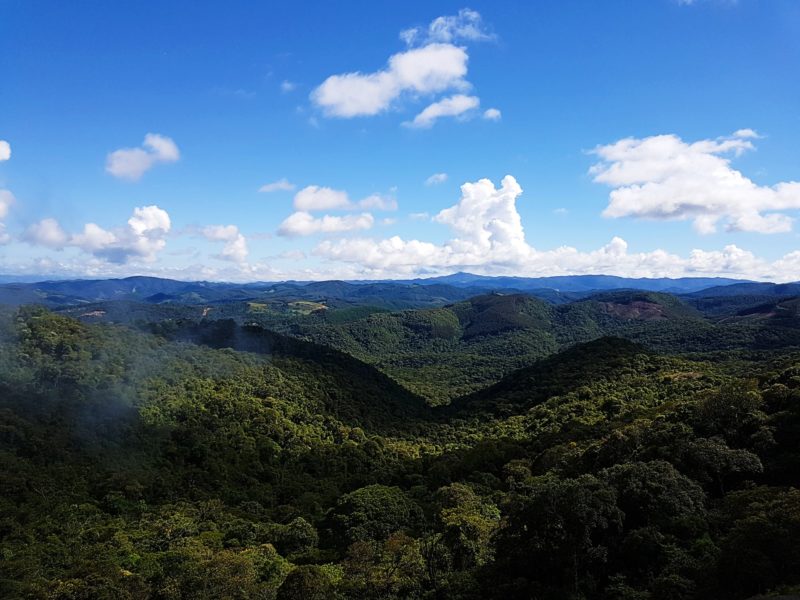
(306, 582)
(371, 514)
(448, 352)
(206, 458)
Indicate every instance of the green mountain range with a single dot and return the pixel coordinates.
(619, 444)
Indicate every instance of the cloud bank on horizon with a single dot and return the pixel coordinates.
(320, 230)
(659, 177)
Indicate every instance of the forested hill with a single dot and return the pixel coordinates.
(582, 365)
(446, 352)
(210, 460)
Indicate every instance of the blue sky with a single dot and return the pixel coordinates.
(651, 138)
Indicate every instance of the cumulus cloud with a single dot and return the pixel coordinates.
(93, 239)
(303, 223)
(282, 185)
(746, 133)
(467, 25)
(427, 70)
(436, 179)
(132, 163)
(317, 198)
(492, 114)
(314, 197)
(143, 237)
(48, 233)
(488, 237)
(5, 150)
(149, 218)
(453, 106)
(488, 230)
(434, 63)
(287, 86)
(6, 200)
(235, 248)
(486, 219)
(664, 178)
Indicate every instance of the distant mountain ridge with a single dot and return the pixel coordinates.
(750, 288)
(393, 294)
(586, 283)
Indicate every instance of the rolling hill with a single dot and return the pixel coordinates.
(450, 351)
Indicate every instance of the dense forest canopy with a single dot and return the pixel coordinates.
(618, 445)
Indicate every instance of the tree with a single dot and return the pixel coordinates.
(469, 523)
(372, 513)
(298, 536)
(306, 582)
(554, 538)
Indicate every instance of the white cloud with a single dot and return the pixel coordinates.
(453, 106)
(149, 218)
(5, 150)
(282, 185)
(746, 133)
(314, 198)
(317, 198)
(486, 220)
(431, 69)
(143, 237)
(288, 86)
(434, 63)
(48, 233)
(235, 248)
(492, 114)
(378, 202)
(6, 200)
(488, 237)
(132, 163)
(303, 223)
(419, 216)
(487, 226)
(664, 178)
(466, 25)
(436, 179)
(93, 238)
